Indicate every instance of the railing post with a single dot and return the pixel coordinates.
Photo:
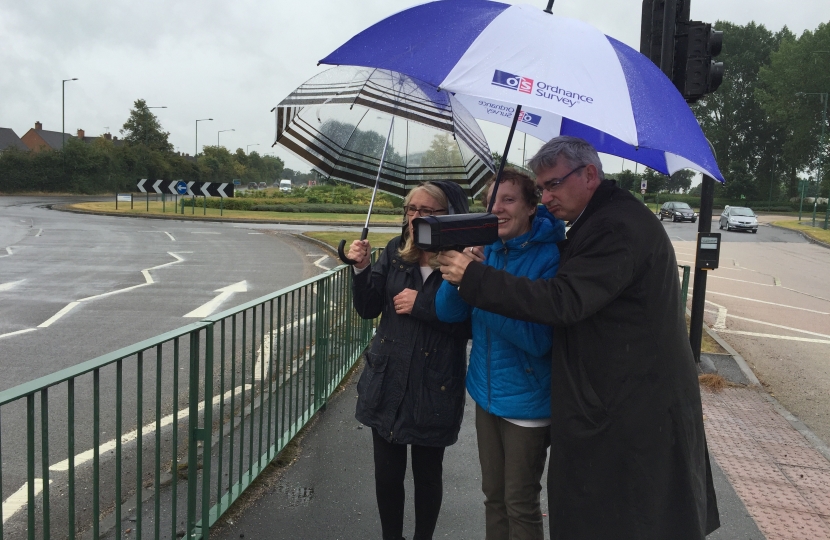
(192, 430)
(207, 431)
(320, 347)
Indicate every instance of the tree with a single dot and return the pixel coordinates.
(627, 180)
(143, 128)
(656, 181)
(733, 118)
(680, 181)
(443, 152)
(798, 68)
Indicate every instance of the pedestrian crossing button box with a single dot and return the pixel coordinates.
(708, 251)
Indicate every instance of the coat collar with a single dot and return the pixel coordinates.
(602, 196)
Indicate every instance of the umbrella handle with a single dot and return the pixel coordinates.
(342, 254)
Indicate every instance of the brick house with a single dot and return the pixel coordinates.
(37, 138)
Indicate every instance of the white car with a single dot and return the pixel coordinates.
(738, 218)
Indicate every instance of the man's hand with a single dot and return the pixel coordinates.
(404, 301)
(360, 251)
(454, 264)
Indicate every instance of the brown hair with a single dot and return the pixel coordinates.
(408, 251)
(526, 185)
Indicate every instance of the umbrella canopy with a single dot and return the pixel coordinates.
(339, 122)
(569, 78)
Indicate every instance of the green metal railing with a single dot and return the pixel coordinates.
(684, 286)
(172, 430)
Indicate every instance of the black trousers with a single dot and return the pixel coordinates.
(427, 472)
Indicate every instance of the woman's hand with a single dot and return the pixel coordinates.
(360, 251)
(404, 301)
(476, 253)
(454, 264)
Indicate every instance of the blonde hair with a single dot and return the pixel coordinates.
(408, 251)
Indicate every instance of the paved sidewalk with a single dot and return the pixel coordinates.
(771, 483)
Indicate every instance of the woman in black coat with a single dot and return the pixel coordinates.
(411, 392)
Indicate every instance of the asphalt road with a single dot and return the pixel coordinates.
(131, 278)
(770, 300)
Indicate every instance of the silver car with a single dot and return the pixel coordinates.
(738, 218)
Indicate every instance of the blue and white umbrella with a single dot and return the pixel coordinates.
(568, 77)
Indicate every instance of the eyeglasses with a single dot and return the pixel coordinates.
(551, 185)
(411, 210)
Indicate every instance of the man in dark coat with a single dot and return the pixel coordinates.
(628, 452)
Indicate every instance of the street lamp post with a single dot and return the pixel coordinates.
(248, 146)
(63, 110)
(221, 131)
(196, 153)
(824, 98)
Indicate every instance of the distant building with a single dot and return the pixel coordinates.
(9, 139)
(38, 139)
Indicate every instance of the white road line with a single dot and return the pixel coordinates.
(170, 235)
(10, 285)
(321, 259)
(20, 498)
(720, 322)
(225, 292)
(765, 302)
(776, 282)
(148, 280)
(260, 354)
(66, 309)
(204, 232)
(780, 326)
(10, 334)
(87, 455)
(743, 281)
(39, 232)
(775, 336)
(692, 264)
(8, 252)
(254, 233)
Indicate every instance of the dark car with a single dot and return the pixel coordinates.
(677, 211)
(738, 218)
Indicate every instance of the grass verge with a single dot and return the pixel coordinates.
(813, 232)
(140, 208)
(333, 238)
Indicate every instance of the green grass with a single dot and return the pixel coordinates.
(813, 232)
(333, 238)
(156, 208)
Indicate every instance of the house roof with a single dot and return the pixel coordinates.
(9, 139)
(53, 138)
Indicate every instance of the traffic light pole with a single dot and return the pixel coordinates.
(707, 196)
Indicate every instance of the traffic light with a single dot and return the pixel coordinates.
(696, 73)
(682, 49)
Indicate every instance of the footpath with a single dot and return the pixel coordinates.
(771, 477)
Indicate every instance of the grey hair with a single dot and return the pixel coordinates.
(575, 151)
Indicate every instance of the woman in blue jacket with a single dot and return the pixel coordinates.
(509, 371)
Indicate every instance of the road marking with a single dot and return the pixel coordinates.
(170, 235)
(266, 352)
(776, 282)
(778, 325)
(39, 232)
(321, 259)
(206, 309)
(147, 429)
(254, 233)
(66, 309)
(10, 334)
(10, 284)
(765, 302)
(204, 232)
(720, 322)
(20, 498)
(743, 281)
(148, 280)
(775, 336)
(8, 252)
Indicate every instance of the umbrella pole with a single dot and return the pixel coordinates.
(365, 232)
(504, 159)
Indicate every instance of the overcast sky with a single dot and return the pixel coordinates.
(234, 60)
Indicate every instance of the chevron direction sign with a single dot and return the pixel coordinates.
(190, 189)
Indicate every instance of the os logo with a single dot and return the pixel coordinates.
(514, 82)
(529, 118)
